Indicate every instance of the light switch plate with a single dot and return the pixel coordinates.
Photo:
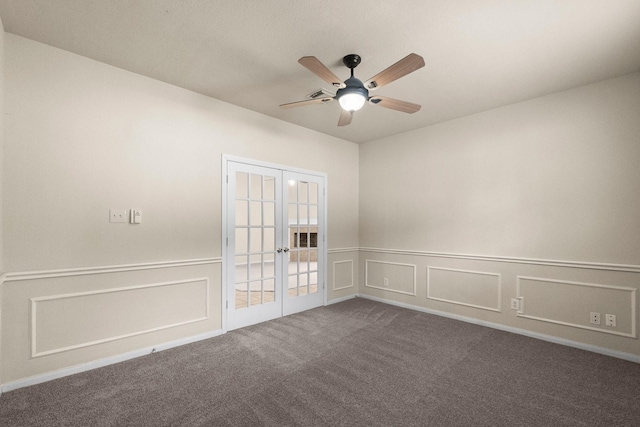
(136, 216)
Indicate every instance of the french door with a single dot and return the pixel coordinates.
(275, 255)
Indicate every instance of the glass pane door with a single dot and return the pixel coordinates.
(304, 236)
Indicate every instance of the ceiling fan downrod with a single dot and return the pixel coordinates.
(353, 96)
(351, 61)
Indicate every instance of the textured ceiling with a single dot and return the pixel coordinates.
(479, 54)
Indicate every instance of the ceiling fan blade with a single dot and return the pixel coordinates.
(314, 65)
(345, 117)
(395, 104)
(408, 64)
(307, 102)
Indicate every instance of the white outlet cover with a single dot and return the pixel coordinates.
(118, 215)
(610, 320)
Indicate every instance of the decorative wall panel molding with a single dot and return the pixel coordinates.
(75, 320)
(475, 289)
(342, 274)
(390, 276)
(570, 303)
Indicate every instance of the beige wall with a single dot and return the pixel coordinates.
(548, 188)
(553, 178)
(83, 137)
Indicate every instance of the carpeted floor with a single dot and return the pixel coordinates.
(357, 363)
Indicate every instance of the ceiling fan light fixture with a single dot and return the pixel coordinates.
(353, 96)
(352, 101)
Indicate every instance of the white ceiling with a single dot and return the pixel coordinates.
(479, 54)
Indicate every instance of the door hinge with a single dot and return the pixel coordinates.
(227, 241)
(227, 179)
(227, 307)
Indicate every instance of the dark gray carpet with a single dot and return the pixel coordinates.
(357, 363)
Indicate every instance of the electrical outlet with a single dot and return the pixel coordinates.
(117, 215)
(594, 318)
(610, 320)
(515, 304)
(385, 281)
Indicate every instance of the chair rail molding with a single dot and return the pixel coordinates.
(630, 268)
(85, 271)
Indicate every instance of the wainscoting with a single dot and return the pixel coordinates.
(60, 322)
(54, 322)
(72, 321)
(554, 298)
(390, 276)
(546, 300)
(342, 274)
(470, 288)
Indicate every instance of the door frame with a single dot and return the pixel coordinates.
(226, 158)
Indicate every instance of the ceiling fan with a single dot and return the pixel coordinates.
(352, 93)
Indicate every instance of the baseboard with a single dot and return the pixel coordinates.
(549, 338)
(341, 299)
(37, 379)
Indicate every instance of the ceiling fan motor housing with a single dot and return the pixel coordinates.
(353, 85)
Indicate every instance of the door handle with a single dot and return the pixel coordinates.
(279, 250)
(286, 249)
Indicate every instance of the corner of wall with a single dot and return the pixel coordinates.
(1, 144)
(1, 185)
